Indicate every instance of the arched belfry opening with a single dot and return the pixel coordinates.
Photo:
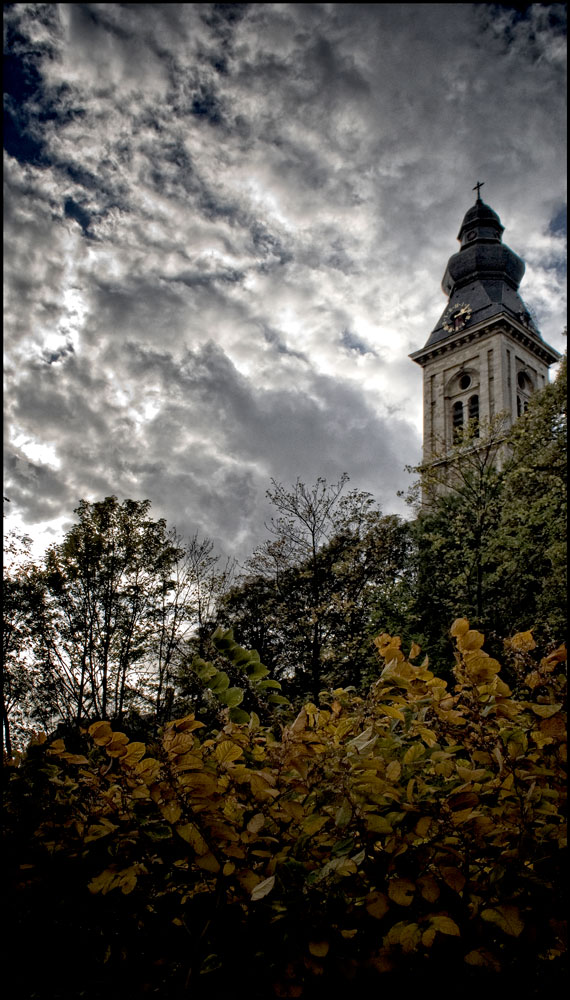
(485, 356)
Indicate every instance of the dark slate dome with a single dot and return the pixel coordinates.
(481, 216)
(483, 261)
(483, 277)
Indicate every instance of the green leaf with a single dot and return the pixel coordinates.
(239, 656)
(204, 670)
(240, 717)
(224, 640)
(219, 683)
(265, 685)
(278, 699)
(232, 697)
(158, 831)
(256, 671)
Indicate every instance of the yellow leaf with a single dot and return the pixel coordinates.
(300, 722)
(319, 948)
(187, 724)
(383, 641)
(376, 905)
(429, 738)
(127, 881)
(422, 826)
(558, 656)
(57, 747)
(410, 938)
(189, 762)
(226, 752)
(545, 711)
(148, 769)
(407, 935)
(506, 917)
(541, 740)
(428, 888)
(260, 783)
(470, 640)
(394, 770)
(346, 867)
(118, 745)
(229, 868)
(192, 836)
(256, 822)
(522, 642)
(415, 752)
(74, 758)
(377, 824)
(459, 627)
(392, 712)
(135, 752)
(481, 667)
(171, 811)
(208, 862)
(179, 743)
(445, 925)
(414, 651)
(100, 829)
(314, 823)
(401, 891)
(103, 882)
(199, 782)
(101, 733)
(293, 809)
(554, 727)
(482, 957)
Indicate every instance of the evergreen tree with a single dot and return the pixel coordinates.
(529, 546)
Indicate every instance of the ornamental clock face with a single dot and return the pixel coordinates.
(457, 317)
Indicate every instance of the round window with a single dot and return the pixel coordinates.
(523, 380)
(464, 381)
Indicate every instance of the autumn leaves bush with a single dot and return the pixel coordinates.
(418, 831)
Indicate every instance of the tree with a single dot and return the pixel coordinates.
(308, 601)
(185, 605)
(111, 603)
(529, 547)
(19, 598)
(490, 534)
(452, 561)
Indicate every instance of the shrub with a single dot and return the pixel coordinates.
(416, 833)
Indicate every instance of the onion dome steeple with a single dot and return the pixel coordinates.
(485, 355)
(482, 278)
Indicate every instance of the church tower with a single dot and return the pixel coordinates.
(485, 355)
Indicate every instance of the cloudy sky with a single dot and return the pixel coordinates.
(225, 230)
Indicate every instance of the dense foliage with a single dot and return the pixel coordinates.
(324, 813)
(493, 546)
(417, 831)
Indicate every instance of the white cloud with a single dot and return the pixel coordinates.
(234, 234)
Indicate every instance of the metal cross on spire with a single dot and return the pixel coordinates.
(477, 188)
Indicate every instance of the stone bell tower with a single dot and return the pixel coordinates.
(485, 355)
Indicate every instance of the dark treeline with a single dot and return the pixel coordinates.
(111, 624)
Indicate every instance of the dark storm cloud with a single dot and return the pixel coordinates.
(226, 226)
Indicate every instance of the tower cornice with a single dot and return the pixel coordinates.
(501, 325)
